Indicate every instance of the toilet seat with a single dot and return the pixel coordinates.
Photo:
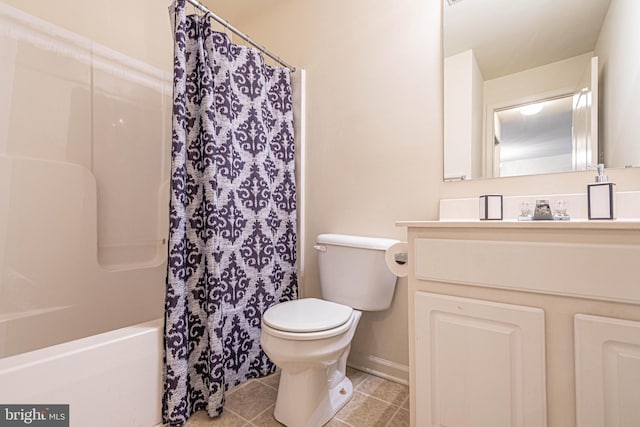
(307, 319)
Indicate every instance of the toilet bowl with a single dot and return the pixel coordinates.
(312, 363)
(309, 339)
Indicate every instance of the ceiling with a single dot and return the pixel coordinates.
(508, 36)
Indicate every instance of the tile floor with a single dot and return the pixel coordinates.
(375, 403)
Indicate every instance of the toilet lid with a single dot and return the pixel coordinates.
(307, 315)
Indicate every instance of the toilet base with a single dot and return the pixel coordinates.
(305, 399)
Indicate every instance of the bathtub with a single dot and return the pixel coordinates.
(109, 379)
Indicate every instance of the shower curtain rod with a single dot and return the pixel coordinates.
(245, 37)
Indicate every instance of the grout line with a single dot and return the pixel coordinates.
(397, 409)
(365, 378)
(336, 417)
(343, 421)
(265, 383)
(392, 417)
(358, 386)
(378, 399)
(238, 387)
(237, 415)
(403, 402)
(248, 422)
(270, 408)
(382, 400)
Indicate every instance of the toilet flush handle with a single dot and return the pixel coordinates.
(320, 248)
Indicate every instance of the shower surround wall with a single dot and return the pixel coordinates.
(84, 134)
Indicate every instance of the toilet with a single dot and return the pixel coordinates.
(309, 339)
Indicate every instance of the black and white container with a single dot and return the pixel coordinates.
(601, 197)
(491, 207)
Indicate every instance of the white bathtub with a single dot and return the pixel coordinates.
(109, 379)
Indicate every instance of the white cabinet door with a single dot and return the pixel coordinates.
(607, 372)
(478, 363)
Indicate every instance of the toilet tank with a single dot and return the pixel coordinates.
(353, 271)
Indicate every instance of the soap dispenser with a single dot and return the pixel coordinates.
(601, 197)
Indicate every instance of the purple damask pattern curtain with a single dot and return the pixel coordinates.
(232, 237)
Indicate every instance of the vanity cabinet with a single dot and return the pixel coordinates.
(481, 363)
(524, 324)
(607, 371)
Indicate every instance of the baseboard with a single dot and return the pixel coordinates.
(379, 367)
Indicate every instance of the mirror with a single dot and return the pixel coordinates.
(504, 55)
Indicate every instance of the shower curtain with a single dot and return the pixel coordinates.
(232, 237)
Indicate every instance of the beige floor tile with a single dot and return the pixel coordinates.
(374, 403)
(400, 419)
(272, 380)
(365, 411)
(251, 399)
(388, 391)
(356, 376)
(226, 419)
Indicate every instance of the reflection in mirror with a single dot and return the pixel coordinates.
(501, 54)
(580, 121)
(534, 138)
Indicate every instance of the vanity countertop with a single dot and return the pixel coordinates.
(557, 225)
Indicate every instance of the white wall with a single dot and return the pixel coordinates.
(617, 49)
(374, 125)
